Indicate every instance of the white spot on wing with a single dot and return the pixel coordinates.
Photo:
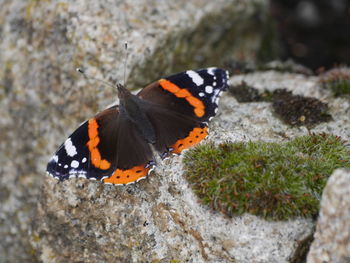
(201, 94)
(65, 166)
(74, 164)
(70, 148)
(196, 78)
(211, 71)
(55, 158)
(209, 89)
(215, 96)
(84, 160)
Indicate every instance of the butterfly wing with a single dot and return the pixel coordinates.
(105, 147)
(181, 105)
(132, 155)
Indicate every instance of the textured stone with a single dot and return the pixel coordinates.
(42, 98)
(87, 221)
(332, 238)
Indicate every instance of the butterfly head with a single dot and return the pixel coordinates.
(123, 93)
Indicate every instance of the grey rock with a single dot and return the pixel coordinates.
(42, 98)
(156, 220)
(332, 238)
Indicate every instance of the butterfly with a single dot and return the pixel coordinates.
(168, 116)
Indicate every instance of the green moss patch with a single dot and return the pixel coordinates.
(272, 180)
(337, 80)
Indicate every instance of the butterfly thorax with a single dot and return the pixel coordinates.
(131, 108)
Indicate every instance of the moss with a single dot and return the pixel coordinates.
(337, 80)
(295, 110)
(272, 180)
(245, 93)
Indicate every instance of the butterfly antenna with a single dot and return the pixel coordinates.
(80, 70)
(125, 59)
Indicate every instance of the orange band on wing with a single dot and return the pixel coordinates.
(94, 140)
(184, 93)
(128, 176)
(194, 137)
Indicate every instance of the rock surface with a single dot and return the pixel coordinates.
(159, 219)
(42, 98)
(156, 220)
(332, 237)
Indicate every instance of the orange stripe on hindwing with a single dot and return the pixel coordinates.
(94, 140)
(184, 93)
(193, 138)
(127, 176)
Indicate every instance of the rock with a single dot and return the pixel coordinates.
(332, 238)
(42, 98)
(157, 220)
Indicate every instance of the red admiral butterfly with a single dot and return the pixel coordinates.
(169, 115)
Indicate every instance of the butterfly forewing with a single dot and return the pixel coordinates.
(192, 93)
(182, 105)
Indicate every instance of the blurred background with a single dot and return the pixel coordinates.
(315, 33)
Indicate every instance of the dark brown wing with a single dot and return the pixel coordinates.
(120, 142)
(121, 145)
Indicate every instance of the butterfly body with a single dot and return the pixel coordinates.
(132, 107)
(170, 115)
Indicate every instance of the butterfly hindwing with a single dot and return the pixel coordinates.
(132, 156)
